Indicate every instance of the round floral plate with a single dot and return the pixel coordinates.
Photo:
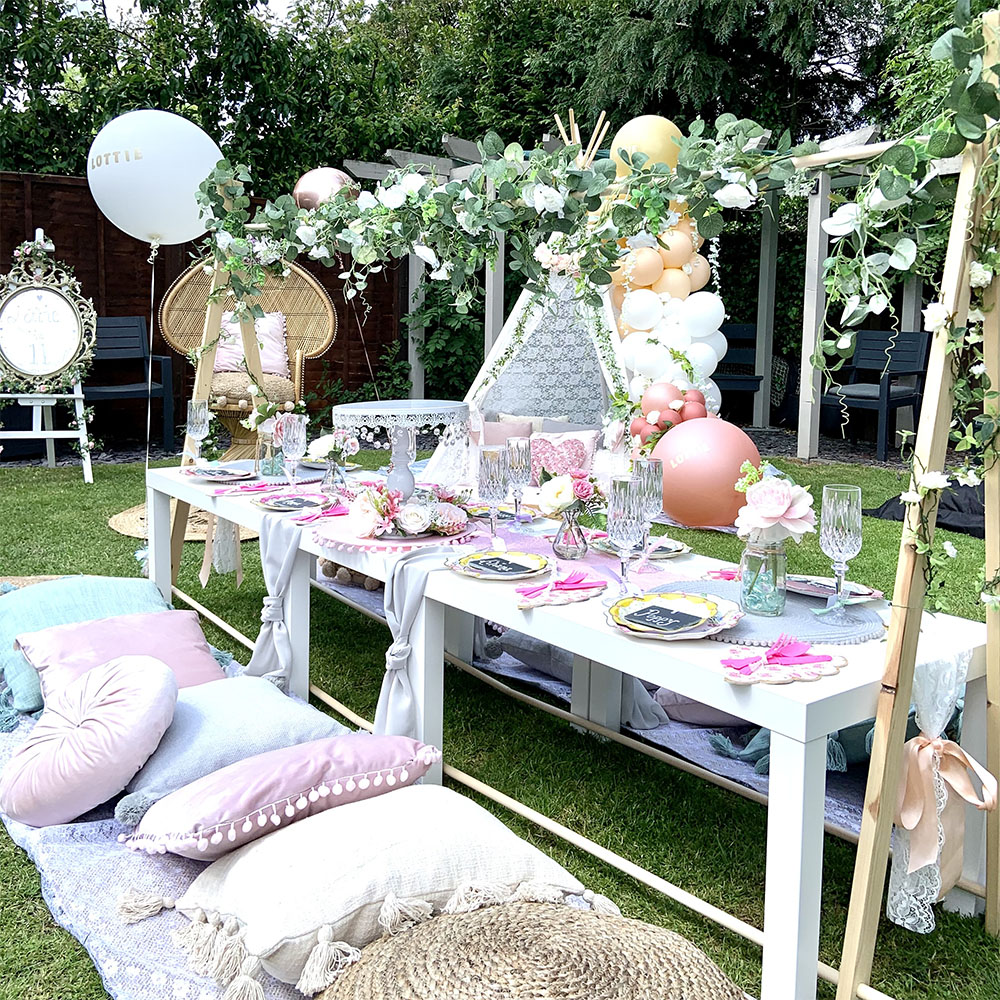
(727, 614)
(667, 549)
(506, 510)
(285, 502)
(496, 565)
(662, 613)
(346, 466)
(219, 474)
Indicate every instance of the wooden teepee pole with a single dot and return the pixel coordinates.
(908, 598)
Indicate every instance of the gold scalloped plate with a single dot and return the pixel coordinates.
(727, 615)
(491, 565)
(695, 608)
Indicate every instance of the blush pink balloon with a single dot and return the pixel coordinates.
(701, 462)
(694, 396)
(659, 396)
(638, 423)
(693, 410)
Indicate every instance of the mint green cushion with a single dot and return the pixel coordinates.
(66, 601)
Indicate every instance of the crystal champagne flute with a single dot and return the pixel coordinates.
(626, 517)
(293, 442)
(649, 472)
(519, 471)
(197, 423)
(840, 539)
(493, 481)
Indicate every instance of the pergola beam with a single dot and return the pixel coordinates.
(766, 279)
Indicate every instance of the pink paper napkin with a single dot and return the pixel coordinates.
(784, 652)
(577, 580)
(337, 510)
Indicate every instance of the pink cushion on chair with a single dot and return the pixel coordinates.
(270, 336)
(92, 737)
(62, 653)
(497, 432)
(558, 453)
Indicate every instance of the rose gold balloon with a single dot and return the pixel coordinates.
(646, 267)
(677, 249)
(659, 396)
(700, 272)
(673, 282)
(317, 186)
(692, 411)
(701, 462)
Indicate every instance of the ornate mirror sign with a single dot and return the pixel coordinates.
(47, 328)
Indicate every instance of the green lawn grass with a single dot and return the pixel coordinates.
(705, 839)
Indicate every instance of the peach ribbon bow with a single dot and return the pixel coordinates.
(917, 811)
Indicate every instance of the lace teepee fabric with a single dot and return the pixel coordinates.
(937, 685)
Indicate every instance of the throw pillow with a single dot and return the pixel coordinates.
(218, 724)
(683, 709)
(63, 653)
(302, 901)
(498, 431)
(241, 803)
(61, 602)
(270, 328)
(558, 453)
(536, 422)
(562, 426)
(94, 734)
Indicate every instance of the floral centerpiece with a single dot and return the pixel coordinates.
(568, 496)
(776, 509)
(334, 449)
(375, 510)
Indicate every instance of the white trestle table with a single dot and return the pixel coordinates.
(800, 716)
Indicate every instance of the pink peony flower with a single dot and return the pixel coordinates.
(583, 489)
(775, 510)
(449, 519)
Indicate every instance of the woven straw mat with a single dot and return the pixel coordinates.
(132, 523)
(533, 951)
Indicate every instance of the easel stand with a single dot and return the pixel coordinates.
(42, 425)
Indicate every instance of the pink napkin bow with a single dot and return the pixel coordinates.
(577, 580)
(260, 487)
(785, 651)
(337, 510)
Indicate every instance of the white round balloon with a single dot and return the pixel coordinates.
(672, 334)
(704, 312)
(144, 169)
(642, 309)
(637, 387)
(651, 359)
(713, 397)
(671, 373)
(673, 308)
(703, 359)
(628, 349)
(717, 341)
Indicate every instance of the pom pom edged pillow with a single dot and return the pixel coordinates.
(242, 802)
(91, 739)
(271, 340)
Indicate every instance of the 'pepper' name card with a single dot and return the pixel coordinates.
(661, 618)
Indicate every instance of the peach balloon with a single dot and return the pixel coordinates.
(692, 411)
(659, 396)
(646, 267)
(650, 134)
(620, 274)
(701, 462)
(676, 250)
(686, 226)
(694, 396)
(617, 296)
(700, 272)
(673, 282)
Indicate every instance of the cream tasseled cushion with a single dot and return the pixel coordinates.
(233, 385)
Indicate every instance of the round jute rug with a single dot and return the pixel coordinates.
(533, 951)
(24, 581)
(132, 522)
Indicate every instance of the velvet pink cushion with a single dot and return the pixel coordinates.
(90, 740)
(270, 337)
(241, 802)
(62, 653)
(558, 453)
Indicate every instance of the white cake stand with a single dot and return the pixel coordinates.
(401, 419)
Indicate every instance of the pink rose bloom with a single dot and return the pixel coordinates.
(776, 510)
(577, 474)
(583, 489)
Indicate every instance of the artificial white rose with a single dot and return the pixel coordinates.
(936, 317)
(978, 369)
(320, 448)
(976, 316)
(949, 549)
(843, 222)
(547, 199)
(414, 518)
(223, 240)
(306, 234)
(980, 276)
(426, 254)
(366, 201)
(412, 183)
(318, 253)
(556, 495)
(392, 197)
(933, 481)
(878, 202)
(443, 273)
(968, 477)
(734, 196)
(910, 496)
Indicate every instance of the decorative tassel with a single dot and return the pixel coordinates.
(401, 914)
(474, 897)
(131, 808)
(325, 962)
(836, 755)
(202, 949)
(246, 985)
(134, 906)
(190, 934)
(601, 904)
(9, 718)
(228, 953)
(537, 892)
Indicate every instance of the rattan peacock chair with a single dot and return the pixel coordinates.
(311, 326)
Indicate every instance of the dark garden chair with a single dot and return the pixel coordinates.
(880, 359)
(121, 338)
(736, 371)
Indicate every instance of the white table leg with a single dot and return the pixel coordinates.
(296, 612)
(50, 444)
(605, 696)
(459, 634)
(974, 862)
(158, 531)
(426, 674)
(794, 875)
